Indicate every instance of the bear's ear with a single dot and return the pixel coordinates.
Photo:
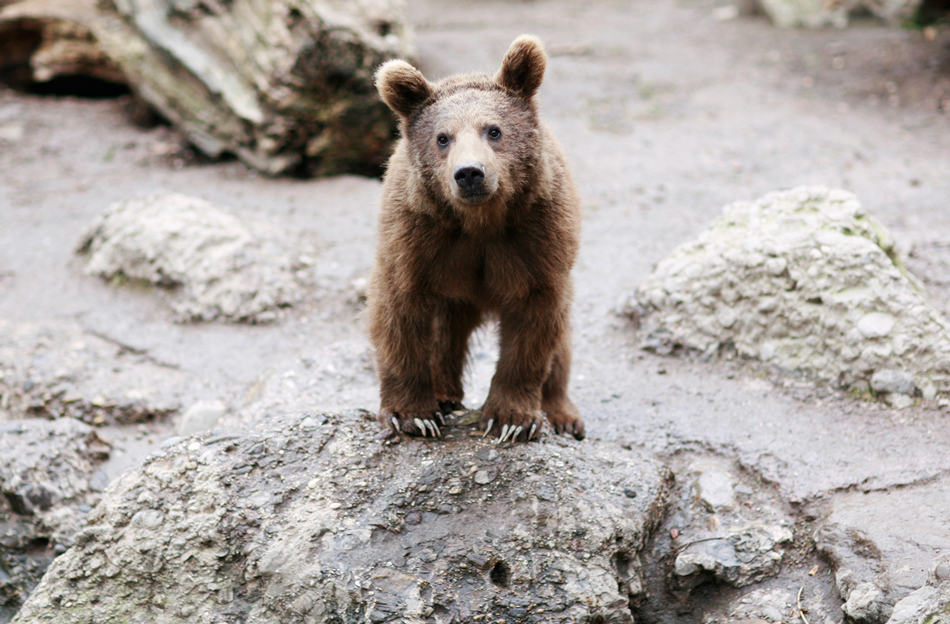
(522, 70)
(402, 87)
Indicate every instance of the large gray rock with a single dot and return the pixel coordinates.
(881, 545)
(49, 478)
(43, 463)
(217, 266)
(821, 13)
(804, 280)
(309, 519)
(55, 370)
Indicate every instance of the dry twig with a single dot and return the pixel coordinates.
(800, 612)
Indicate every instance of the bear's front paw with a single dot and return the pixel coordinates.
(565, 418)
(512, 424)
(425, 424)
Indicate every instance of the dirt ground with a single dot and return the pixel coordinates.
(667, 112)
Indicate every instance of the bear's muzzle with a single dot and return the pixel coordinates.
(470, 178)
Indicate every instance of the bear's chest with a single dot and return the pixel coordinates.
(485, 273)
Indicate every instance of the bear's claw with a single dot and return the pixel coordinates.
(512, 431)
(433, 428)
(574, 428)
(426, 425)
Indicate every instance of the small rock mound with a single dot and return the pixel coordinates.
(805, 280)
(310, 519)
(221, 268)
(720, 531)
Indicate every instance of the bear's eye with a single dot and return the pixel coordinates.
(494, 133)
(442, 140)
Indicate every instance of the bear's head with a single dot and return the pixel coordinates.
(473, 138)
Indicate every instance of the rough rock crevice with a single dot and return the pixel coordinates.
(728, 550)
(50, 477)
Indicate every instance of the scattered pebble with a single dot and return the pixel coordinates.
(484, 477)
(201, 416)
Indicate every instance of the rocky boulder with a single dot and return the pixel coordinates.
(717, 537)
(803, 280)
(723, 531)
(214, 265)
(311, 519)
(821, 13)
(49, 477)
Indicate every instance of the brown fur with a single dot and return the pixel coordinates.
(501, 241)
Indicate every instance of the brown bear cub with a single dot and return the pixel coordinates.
(479, 217)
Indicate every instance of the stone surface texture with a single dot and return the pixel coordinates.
(717, 536)
(309, 519)
(820, 13)
(223, 268)
(735, 537)
(55, 370)
(202, 416)
(931, 603)
(803, 280)
(882, 546)
(49, 478)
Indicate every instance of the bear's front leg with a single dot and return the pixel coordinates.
(530, 335)
(402, 336)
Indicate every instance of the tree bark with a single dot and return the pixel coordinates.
(286, 85)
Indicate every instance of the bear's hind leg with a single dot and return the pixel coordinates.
(454, 323)
(560, 410)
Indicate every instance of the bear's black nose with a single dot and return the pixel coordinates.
(469, 176)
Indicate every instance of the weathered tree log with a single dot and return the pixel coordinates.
(286, 85)
(41, 40)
